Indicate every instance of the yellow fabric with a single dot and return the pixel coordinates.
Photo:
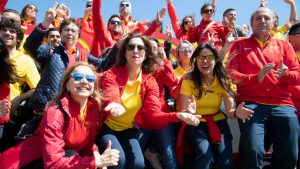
(210, 101)
(83, 114)
(132, 102)
(298, 55)
(179, 71)
(279, 33)
(27, 71)
(262, 44)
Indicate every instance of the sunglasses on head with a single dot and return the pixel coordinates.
(131, 47)
(208, 58)
(115, 22)
(189, 48)
(208, 11)
(124, 5)
(79, 77)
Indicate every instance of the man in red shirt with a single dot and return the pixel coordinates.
(263, 68)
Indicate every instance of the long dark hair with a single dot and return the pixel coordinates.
(219, 71)
(23, 12)
(182, 22)
(149, 54)
(8, 71)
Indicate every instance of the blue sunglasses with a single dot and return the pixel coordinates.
(124, 5)
(79, 77)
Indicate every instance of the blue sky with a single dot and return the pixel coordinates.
(146, 9)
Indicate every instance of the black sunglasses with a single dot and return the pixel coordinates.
(115, 22)
(131, 47)
(89, 6)
(187, 22)
(208, 10)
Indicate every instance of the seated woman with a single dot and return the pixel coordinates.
(133, 101)
(28, 18)
(7, 75)
(65, 137)
(205, 86)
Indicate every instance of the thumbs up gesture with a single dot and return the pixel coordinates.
(110, 157)
(281, 69)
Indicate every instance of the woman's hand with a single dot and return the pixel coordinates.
(189, 119)
(191, 106)
(115, 109)
(243, 113)
(110, 157)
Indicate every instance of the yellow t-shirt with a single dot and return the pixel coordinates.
(279, 33)
(27, 72)
(210, 101)
(179, 71)
(132, 102)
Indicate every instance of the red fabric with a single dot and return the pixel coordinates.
(165, 77)
(2, 5)
(182, 146)
(113, 83)
(215, 29)
(52, 137)
(27, 27)
(248, 60)
(213, 129)
(87, 31)
(179, 32)
(4, 94)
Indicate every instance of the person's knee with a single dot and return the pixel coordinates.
(139, 163)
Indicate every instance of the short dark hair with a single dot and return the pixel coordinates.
(295, 29)
(15, 25)
(67, 22)
(204, 6)
(11, 10)
(113, 16)
(228, 10)
(50, 30)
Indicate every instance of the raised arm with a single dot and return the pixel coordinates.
(174, 19)
(293, 14)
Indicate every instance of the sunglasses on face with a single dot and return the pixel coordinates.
(131, 47)
(187, 22)
(78, 77)
(89, 6)
(189, 48)
(115, 22)
(208, 11)
(32, 8)
(124, 5)
(208, 58)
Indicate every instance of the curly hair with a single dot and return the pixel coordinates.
(15, 25)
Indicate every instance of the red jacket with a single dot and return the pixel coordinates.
(2, 5)
(248, 60)
(179, 32)
(113, 84)
(51, 136)
(4, 94)
(166, 77)
(217, 29)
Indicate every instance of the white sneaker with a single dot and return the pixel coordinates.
(153, 159)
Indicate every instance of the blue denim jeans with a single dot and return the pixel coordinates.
(281, 124)
(163, 140)
(207, 155)
(126, 142)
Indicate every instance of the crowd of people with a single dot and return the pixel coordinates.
(124, 94)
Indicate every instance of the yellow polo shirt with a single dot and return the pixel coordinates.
(27, 72)
(210, 101)
(132, 102)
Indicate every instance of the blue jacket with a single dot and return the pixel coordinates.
(54, 62)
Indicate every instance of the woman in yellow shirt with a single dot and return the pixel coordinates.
(206, 85)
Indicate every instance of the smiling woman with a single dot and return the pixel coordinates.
(65, 137)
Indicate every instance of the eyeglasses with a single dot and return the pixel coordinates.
(131, 47)
(124, 5)
(62, 7)
(78, 77)
(187, 22)
(32, 8)
(67, 30)
(208, 10)
(208, 58)
(115, 22)
(189, 48)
